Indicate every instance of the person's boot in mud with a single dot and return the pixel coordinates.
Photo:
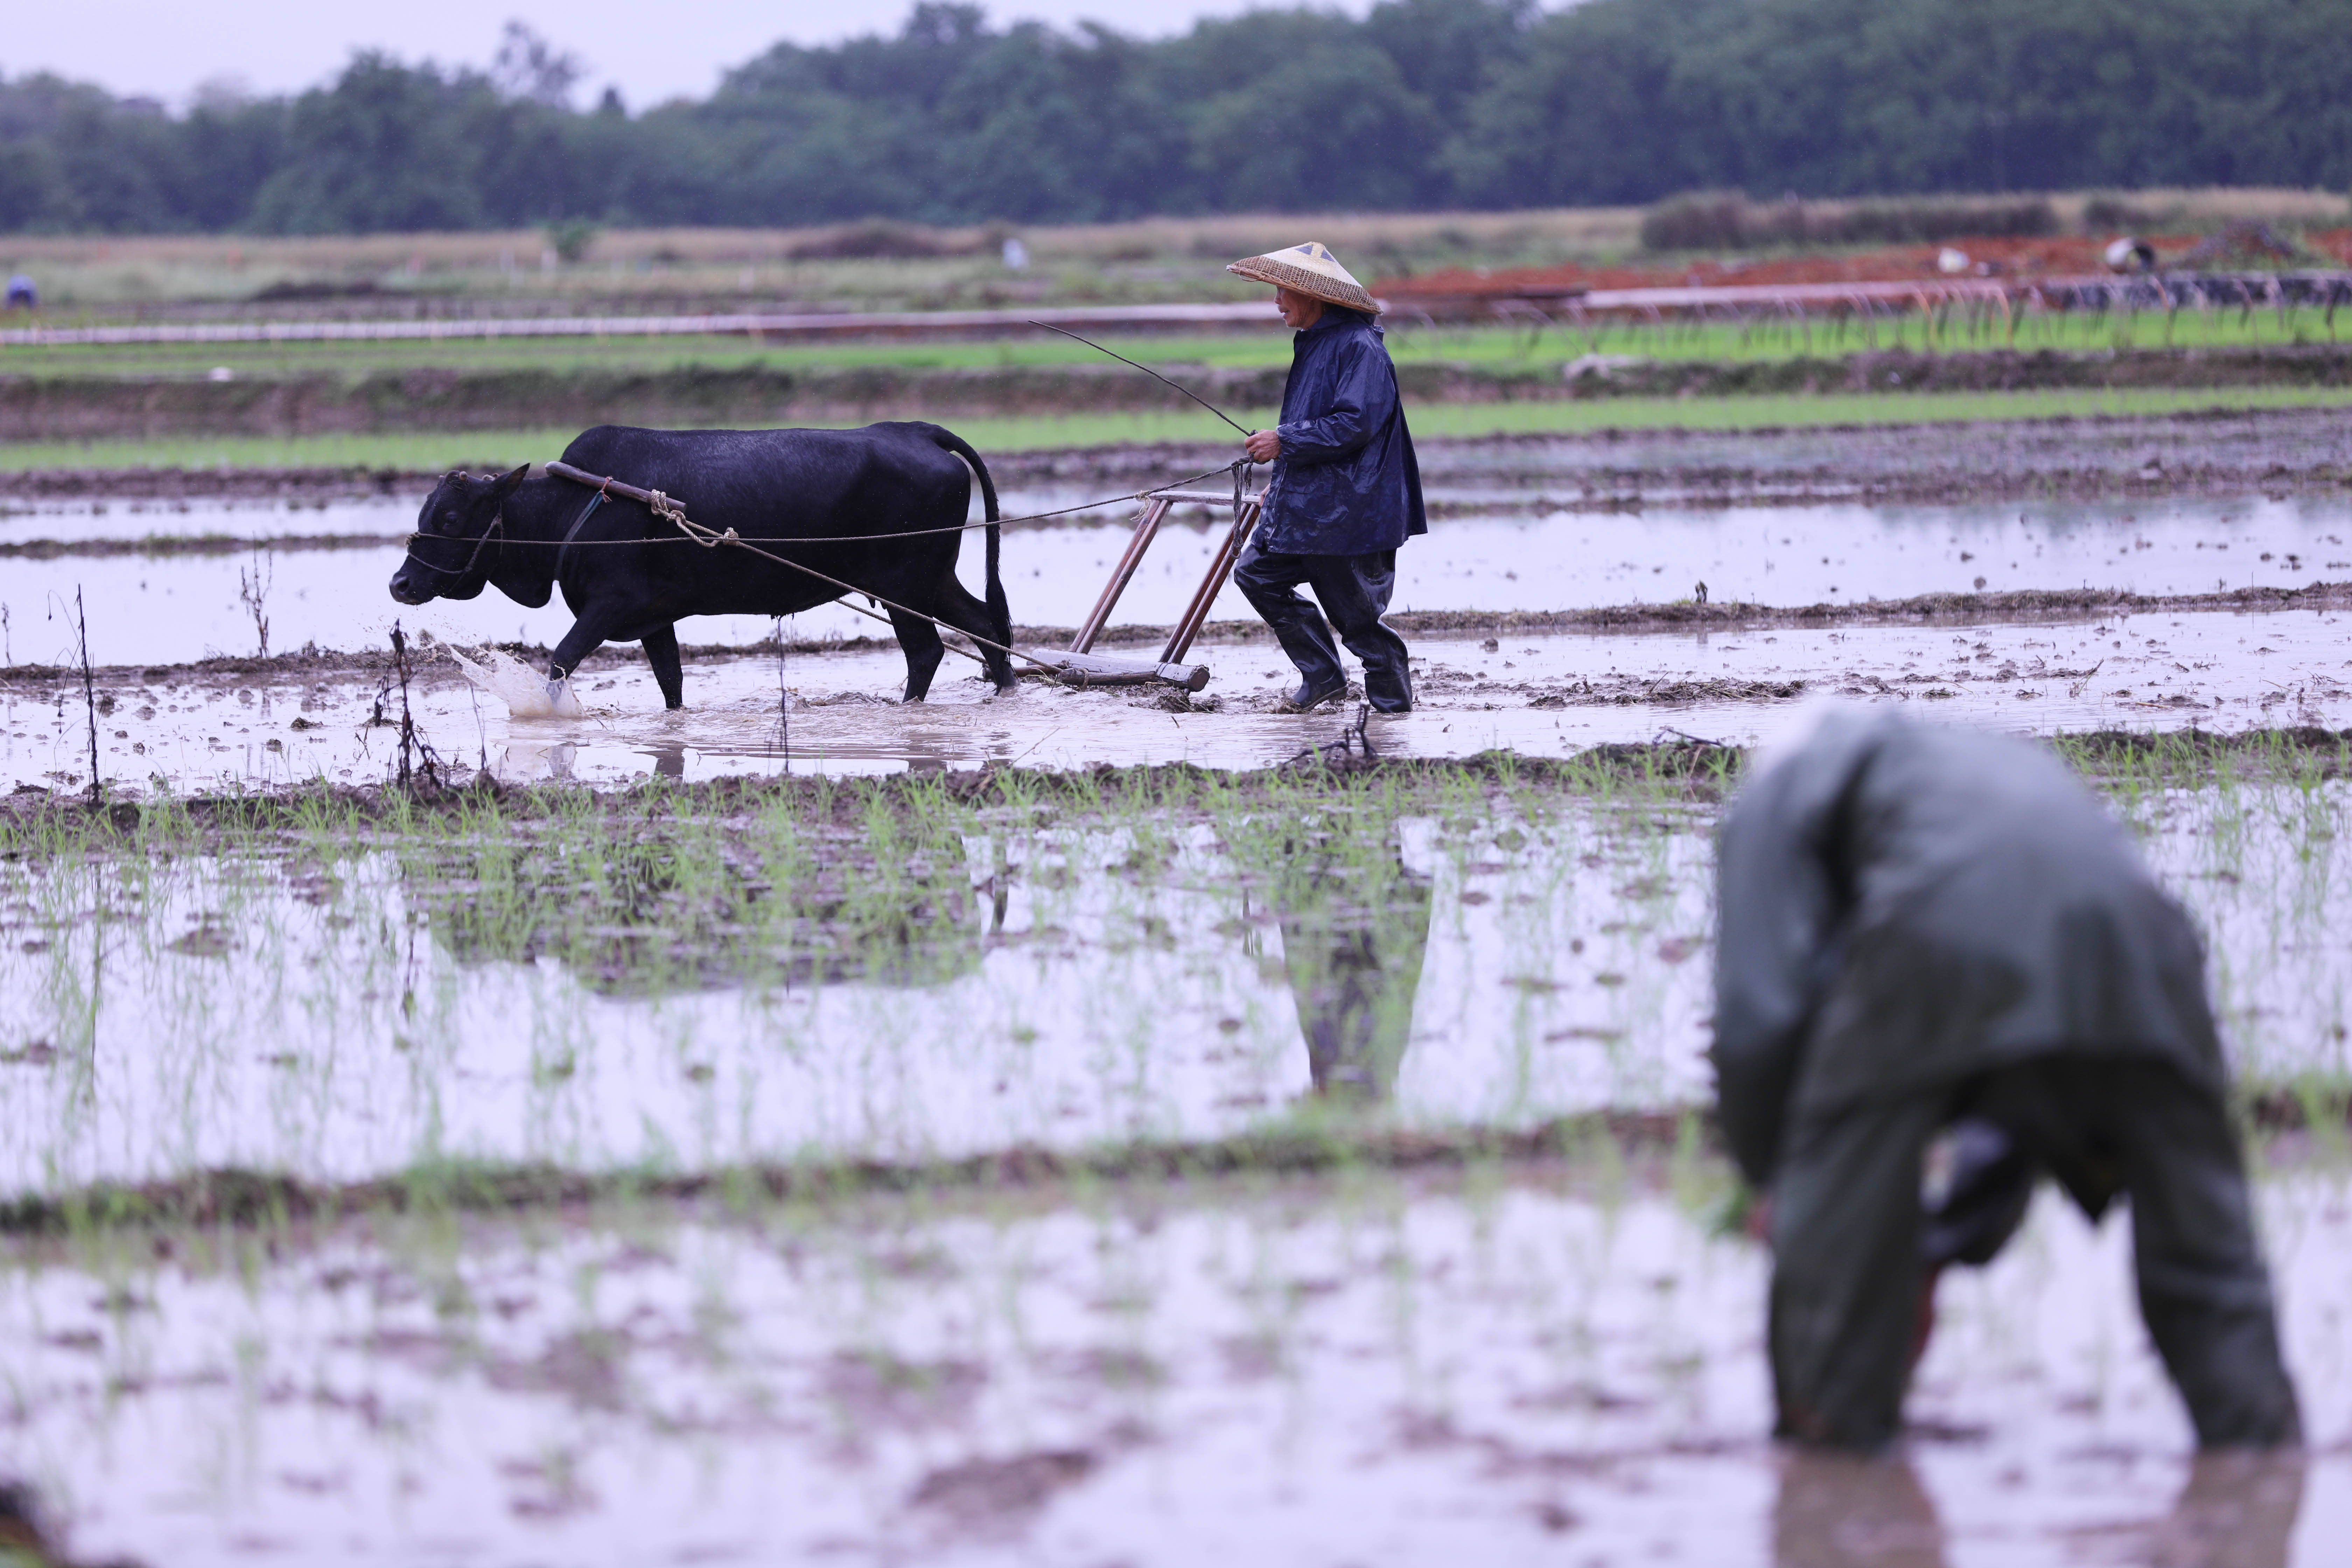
(1345, 487)
(1353, 591)
(1924, 928)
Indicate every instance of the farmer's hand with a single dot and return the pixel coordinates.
(1263, 445)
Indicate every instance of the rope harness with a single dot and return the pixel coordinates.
(497, 526)
(691, 533)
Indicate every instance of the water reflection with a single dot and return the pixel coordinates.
(524, 760)
(1353, 943)
(1837, 1509)
(2233, 1511)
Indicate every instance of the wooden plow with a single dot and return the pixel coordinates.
(1081, 665)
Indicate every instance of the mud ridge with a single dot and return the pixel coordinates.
(246, 1199)
(164, 545)
(2013, 606)
(1690, 767)
(1698, 769)
(2219, 450)
(243, 1199)
(65, 407)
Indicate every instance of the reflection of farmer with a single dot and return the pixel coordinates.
(1352, 940)
(1841, 1510)
(1346, 490)
(1920, 925)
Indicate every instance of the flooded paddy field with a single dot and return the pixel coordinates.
(551, 1110)
(2161, 506)
(179, 586)
(930, 969)
(297, 720)
(1093, 1125)
(1545, 1362)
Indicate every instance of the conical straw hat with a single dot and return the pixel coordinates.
(1311, 269)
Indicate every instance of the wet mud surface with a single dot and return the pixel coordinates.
(169, 586)
(798, 974)
(473, 1174)
(1546, 1363)
(1542, 694)
(2223, 452)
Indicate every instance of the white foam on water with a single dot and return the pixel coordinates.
(526, 692)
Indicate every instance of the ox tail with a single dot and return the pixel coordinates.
(1000, 614)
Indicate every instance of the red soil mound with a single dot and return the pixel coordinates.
(2049, 255)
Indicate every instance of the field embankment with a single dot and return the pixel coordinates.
(1590, 454)
(92, 407)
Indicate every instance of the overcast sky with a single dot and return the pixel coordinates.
(668, 48)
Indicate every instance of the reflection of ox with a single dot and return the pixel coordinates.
(814, 496)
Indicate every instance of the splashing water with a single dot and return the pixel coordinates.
(526, 692)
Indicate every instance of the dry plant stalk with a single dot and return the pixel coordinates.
(253, 591)
(89, 694)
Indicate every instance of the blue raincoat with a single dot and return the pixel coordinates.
(1346, 483)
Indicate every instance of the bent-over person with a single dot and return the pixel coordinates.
(1345, 492)
(1921, 926)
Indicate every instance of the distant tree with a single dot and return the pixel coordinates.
(1589, 109)
(1445, 50)
(34, 192)
(1420, 104)
(385, 148)
(529, 68)
(230, 144)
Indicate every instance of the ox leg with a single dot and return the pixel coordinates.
(969, 615)
(919, 640)
(587, 636)
(661, 652)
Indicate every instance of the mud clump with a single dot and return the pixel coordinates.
(1669, 693)
(983, 1494)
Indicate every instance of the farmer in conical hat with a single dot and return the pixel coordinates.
(1346, 490)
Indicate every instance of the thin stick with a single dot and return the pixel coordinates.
(89, 696)
(1146, 370)
(783, 700)
(407, 725)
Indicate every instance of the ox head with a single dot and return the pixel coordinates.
(458, 539)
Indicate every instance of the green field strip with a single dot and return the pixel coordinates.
(414, 451)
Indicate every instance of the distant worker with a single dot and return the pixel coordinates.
(22, 295)
(1345, 492)
(1922, 926)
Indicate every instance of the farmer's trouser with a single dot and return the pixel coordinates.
(1846, 1241)
(1354, 593)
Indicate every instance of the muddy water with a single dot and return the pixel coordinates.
(1540, 1368)
(339, 1022)
(173, 608)
(354, 1016)
(1542, 695)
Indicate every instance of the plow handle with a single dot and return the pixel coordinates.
(1196, 614)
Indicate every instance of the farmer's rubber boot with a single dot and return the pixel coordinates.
(1313, 694)
(1388, 679)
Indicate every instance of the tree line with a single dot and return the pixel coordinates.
(1420, 105)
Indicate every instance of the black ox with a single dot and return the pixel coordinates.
(809, 496)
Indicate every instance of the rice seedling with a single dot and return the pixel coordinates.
(453, 991)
